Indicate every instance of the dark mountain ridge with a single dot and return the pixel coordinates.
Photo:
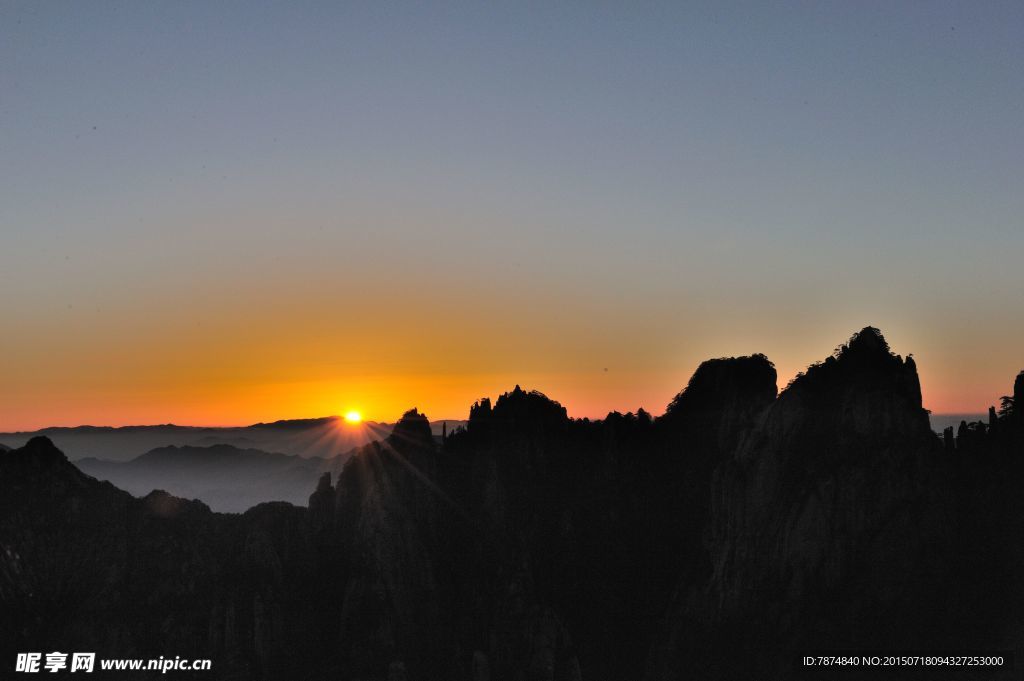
(829, 523)
(226, 478)
(712, 542)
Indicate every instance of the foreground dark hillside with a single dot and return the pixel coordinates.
(712, 542)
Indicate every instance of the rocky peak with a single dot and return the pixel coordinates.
(412, 430)
(42, 449)
(38, 455)
(723, 382)
(720, 402)
(864, 385)
(518, 411)
(480, 411)
(321, 501)
(324, 484)
(868, 340)
(530, 407)
(824, 483)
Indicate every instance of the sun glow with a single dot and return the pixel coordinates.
(353, 417)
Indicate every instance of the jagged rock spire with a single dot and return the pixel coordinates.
(412, 429)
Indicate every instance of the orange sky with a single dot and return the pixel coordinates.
(212, 221)
(235, 374)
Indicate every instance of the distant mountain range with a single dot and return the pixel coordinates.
(318, 437)
(226, 478)
(942, 421)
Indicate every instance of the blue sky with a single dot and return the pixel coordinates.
(568, 186)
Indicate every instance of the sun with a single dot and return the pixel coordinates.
(353, 417)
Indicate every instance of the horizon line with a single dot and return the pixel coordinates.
(364, 422)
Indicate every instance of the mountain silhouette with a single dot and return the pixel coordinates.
(716, 541)
(226, 478)
(319, 437)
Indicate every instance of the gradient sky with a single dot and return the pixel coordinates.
(220, 213)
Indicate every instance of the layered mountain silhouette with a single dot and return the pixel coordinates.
(714, 542)
(226, 478)
(319, 437)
